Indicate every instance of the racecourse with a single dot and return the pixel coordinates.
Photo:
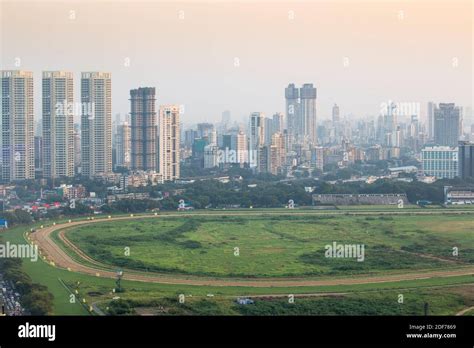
(57, 256)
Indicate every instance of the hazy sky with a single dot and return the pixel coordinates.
(358, 54)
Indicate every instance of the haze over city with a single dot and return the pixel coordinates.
(303, 160)
(239, 56)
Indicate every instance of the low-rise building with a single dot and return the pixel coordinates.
(129, 196)
(73, 191)
(458, 195)
(362, 199)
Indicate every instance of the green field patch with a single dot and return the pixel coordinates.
(273, 246)
(375, 303)
(376, 257)
(440, 301)
(406, 227)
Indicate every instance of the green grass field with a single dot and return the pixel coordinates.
(434, 234)
(441, 301)
(279, 246)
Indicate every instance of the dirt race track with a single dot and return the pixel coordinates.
(59, 258)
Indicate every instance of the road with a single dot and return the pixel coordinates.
(59, 258)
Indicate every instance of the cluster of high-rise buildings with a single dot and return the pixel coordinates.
(291, 142)
(150, 142)
(265, 144)
(151, 139)
(260, 145)
(447, 156)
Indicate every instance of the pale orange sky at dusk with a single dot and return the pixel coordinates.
(358, 54)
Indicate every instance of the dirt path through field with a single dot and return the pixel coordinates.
(464, 311)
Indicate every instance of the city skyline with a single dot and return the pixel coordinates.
(229, 67)
(98, 131)
(236, 158)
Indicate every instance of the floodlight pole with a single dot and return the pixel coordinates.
(117, 281)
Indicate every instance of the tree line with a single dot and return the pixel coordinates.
(35, 298)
